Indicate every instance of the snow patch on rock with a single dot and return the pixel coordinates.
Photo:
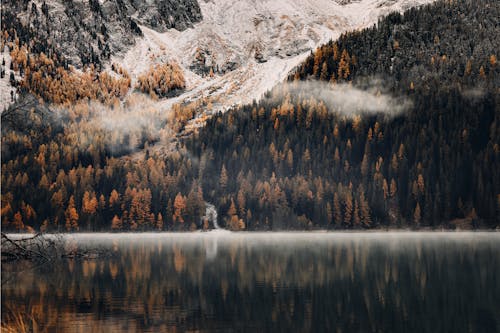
(5, 87)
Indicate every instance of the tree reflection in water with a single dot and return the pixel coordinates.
(221, 281)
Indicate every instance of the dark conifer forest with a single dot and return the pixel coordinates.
(295, 163)
(429, 159)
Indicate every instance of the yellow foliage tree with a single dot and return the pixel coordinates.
(71, 215)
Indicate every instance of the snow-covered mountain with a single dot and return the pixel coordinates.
(253, 43)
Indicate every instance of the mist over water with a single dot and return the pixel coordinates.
(268, 282)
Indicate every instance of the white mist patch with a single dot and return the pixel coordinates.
(136, 123)
(123, 128)
(348, 100)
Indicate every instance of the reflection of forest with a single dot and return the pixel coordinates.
(271, 284)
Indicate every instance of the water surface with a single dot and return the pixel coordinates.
(265, 282)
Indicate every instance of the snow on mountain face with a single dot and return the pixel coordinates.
(251, 44)
(7, 92)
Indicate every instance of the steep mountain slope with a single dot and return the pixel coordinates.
(83, 33)
(329, 150)
(250, 45)
(90, 31)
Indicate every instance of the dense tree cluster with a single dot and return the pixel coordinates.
(64, 172)
(295, 163)
(290, 161)
(450, 43)
(49, 77)
(162, 80)
(89, 32)
(40, 30)
(60, 86)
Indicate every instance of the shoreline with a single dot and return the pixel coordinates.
(238, 234)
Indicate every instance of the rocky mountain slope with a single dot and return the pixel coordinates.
(230, 51)
(90, 31)
(250, 46)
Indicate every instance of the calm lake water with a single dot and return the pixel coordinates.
(265, 282)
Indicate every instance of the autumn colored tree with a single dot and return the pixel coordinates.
(161, 79)
(71, 215)
(159, 222)
(116, 223)
(179, 207)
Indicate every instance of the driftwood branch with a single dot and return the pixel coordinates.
(24, 248)
(45, 248)
(39, 250)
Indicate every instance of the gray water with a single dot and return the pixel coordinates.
(264, 282)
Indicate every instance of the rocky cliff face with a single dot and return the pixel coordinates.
(89, 31)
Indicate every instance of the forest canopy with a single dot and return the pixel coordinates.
(292, 160)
